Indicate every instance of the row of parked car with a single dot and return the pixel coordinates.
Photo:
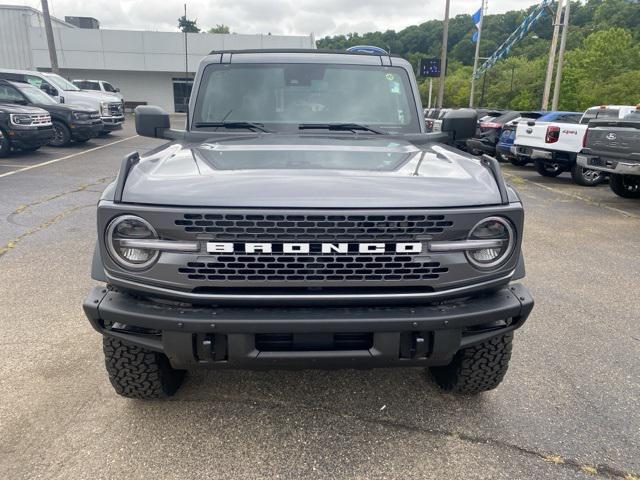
(41, 108)
(599, 144)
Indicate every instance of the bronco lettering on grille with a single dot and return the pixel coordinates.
(229, 247)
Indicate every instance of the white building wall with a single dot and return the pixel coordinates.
(142, 64)
(145, 51)
(15, 24)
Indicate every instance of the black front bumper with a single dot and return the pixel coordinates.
(30, 138)
(304, 337)
(110, 124)
(83, 131)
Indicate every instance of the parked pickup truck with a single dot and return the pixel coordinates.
(613, 146)
(521, 155)
(305, 219)
(553, 146)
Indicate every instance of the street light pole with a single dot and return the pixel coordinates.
(51, 44)
(443, 56)
(563, 44)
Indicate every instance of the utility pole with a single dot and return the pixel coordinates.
(50, 41)
(477, 56)
(552, 57)
(563, 44)
(443, 56)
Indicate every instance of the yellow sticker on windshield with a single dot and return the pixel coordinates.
(390, 76)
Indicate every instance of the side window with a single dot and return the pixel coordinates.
(108, 87)
(35, 81)
(86, 85)
(9, 94)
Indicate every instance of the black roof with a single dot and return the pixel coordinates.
(299, 50)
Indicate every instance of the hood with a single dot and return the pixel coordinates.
(91, 95)
(281, 171)
(64, 108)
(15, 108)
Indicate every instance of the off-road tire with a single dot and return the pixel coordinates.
(477, 368)
(5, 145)
(136, 372)
(625, 186)
(586, 176)
(517, 162)
(62, 136)
(547, 170)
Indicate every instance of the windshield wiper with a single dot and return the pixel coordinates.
(248, 125)
(340, 127)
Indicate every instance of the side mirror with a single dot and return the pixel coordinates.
(117, 90)
(48, 89)
(151, 121)
(460, 124)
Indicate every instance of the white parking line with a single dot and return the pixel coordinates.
(56, 160)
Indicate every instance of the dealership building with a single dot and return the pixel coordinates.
(147, 67)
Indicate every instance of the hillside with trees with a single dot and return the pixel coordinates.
(602, 63)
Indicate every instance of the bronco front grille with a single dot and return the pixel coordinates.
(314, 267)
(284, 228)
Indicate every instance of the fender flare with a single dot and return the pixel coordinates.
(97, 267)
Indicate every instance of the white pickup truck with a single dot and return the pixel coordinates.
(554, 146)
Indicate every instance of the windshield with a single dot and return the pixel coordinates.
(594, 113)
(35, 95)
(282, 96)
(61, 83)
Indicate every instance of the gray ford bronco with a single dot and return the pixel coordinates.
(305, 219)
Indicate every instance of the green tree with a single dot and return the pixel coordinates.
(188, 26)
(219, 29)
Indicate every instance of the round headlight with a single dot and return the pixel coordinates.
(492, 228)
(131, 227)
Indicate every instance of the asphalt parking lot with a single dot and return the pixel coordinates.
(569, 407)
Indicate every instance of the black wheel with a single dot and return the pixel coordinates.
(586, 176)
(477, 368)
(136, 372)
(548, 169)
(625, 186)
(518, 162)
(61, 135)
(5, 146)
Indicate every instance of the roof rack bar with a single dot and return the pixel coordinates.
(494, 167)
(128, 163)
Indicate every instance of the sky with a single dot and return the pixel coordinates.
(299, 17)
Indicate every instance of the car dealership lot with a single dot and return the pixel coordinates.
(567, 409)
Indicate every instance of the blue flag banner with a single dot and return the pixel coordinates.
(476, 17)
(518, 34)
